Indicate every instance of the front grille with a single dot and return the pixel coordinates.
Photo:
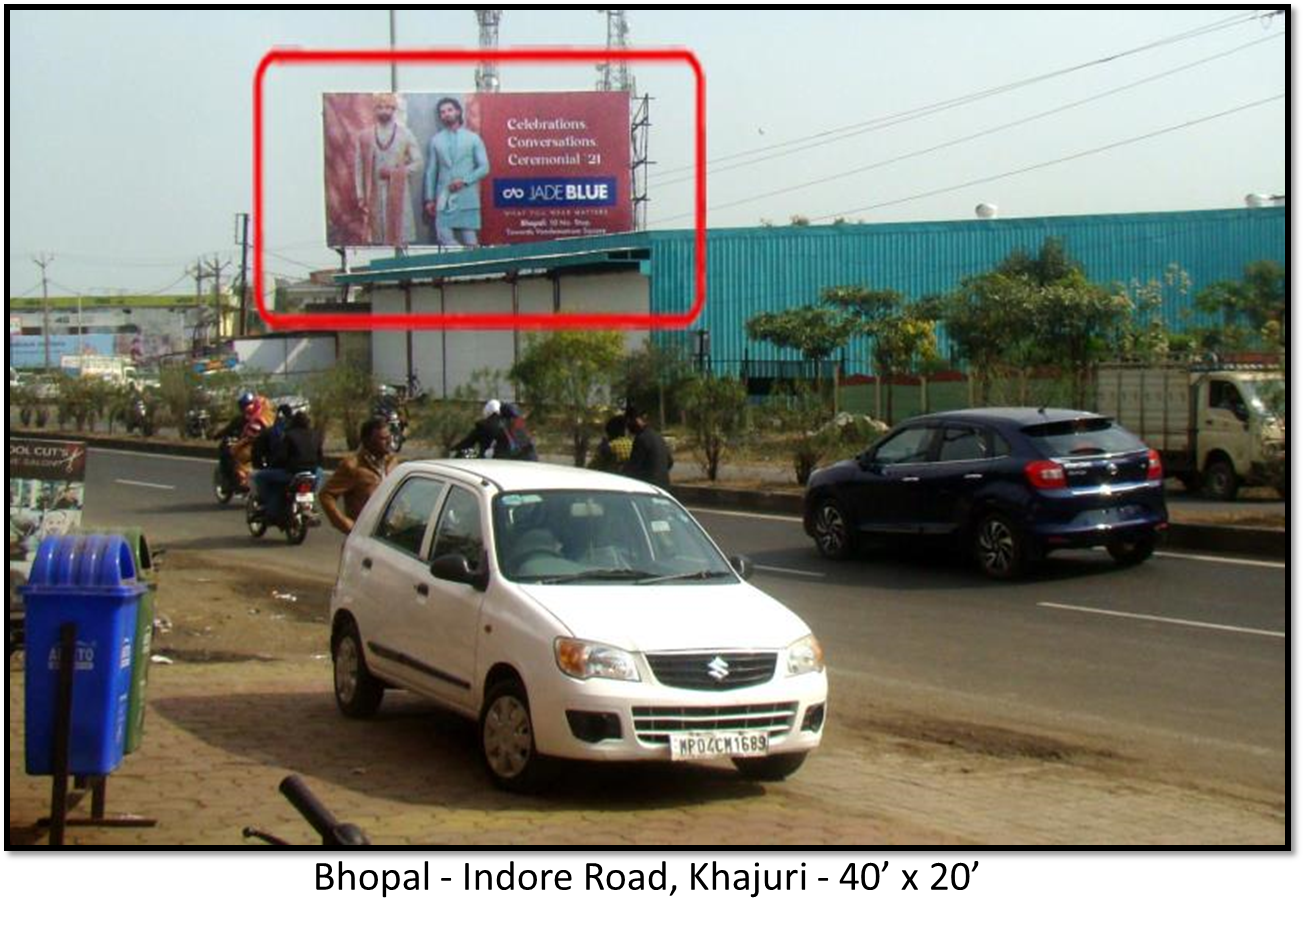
(712, 671)
(653, 724)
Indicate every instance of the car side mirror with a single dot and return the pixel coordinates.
(742, 565)
(455, 567)
(868, 463)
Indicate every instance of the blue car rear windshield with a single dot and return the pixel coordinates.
(1080, 437)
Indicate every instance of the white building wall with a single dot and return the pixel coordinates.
(445, 360)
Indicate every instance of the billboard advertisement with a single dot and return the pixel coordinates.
(47, 489)
(475, 168)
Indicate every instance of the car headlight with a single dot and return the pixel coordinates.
(582, 659)
(806, 655)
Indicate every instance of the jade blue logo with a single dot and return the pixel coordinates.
(554, 192)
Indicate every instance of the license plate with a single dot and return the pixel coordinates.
(686, 746)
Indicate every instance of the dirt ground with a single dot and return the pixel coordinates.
(241, 696)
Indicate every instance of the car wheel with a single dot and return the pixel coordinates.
(357, 692)
(999, 547)
(770, 768)
(834, 536)
(507, 739)
(1220, 481)
(1131, 552)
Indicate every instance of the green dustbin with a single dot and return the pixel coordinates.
(147, 576)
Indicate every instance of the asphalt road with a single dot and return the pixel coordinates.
(1181, 660)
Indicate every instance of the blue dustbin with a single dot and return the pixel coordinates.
(89, 580)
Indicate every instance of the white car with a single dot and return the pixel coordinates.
(573, 614)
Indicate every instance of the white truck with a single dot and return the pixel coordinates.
(120, 370)
(1216, 426)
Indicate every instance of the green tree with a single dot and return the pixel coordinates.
(653, 376)
(1253, 307)
(715, 412)
(815, 331)
(988, 318)
(904, 335)
(565, 375)
(345, 392)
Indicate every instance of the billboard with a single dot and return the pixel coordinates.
(475, 169)
(47, 489)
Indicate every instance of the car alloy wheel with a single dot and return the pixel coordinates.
(998, 548)
(832, 533)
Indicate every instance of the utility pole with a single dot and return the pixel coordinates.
(213, 269)
(242, 239)
(486, 72)
(393, 43)
(43, 261)
(197, 271)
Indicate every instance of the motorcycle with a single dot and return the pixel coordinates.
(139, 418)
(390, 407)
(197, 424)
(226, 483)
(298, 509)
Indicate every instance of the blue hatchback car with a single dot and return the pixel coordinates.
(1011, 484)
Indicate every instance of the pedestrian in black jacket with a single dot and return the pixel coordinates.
(649, 458)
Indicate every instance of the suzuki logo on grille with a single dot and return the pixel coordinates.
(718, 669)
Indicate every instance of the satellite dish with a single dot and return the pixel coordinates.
(986, 210)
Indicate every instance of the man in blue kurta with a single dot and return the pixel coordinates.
(457, 163)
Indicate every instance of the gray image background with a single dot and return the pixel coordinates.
(999, 894)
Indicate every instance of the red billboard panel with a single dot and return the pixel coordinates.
(475, 169)
(561, 172)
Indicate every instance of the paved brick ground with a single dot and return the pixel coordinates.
(219, 737)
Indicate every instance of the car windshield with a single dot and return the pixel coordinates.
(1266, 397)
(585, 537)
(1082, 437)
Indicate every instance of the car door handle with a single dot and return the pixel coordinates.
(973, 475)
(366, 563)
(423, 589)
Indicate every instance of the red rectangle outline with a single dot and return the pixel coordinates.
(340, 321)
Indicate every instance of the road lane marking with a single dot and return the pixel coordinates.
(157, 456)
(746, 514)
(791, 572)
(147, 485)
(1162, 620)
(1224, 559)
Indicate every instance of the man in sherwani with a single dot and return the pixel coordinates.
(387, 156)
(456, 163)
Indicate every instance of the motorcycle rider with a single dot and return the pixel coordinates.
(489, 436)
(255, 415)
(267, 447)
(518, 435)
(298, 450)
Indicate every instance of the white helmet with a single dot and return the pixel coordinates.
(492, 407)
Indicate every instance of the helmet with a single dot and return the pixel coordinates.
(492, 407)
(246, 399)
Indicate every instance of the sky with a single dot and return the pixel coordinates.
(130, 133)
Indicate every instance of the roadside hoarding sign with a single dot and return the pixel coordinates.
(47, 491)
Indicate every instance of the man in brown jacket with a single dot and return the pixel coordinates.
(358, 475)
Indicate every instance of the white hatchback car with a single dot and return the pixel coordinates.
(574, 614)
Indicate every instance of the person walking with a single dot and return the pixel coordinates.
(649, 457)
(356, 478)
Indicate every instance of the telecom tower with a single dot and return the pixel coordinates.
(615, 75)
(486, 72)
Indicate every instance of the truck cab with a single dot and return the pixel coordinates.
(1240, 435)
